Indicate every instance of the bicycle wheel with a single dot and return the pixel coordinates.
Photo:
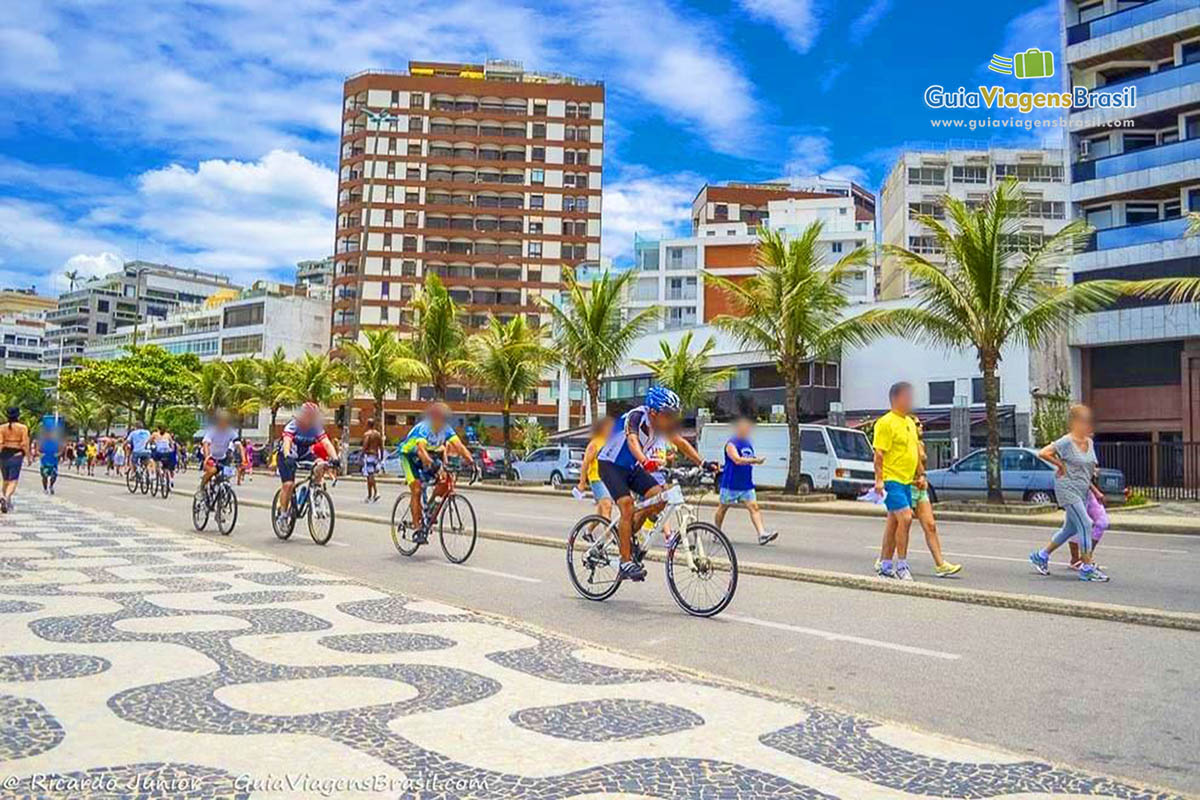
(593, 558)
(144, 481)
(131, 481)
(702, 570)
(225, 508)
(456, 528)
(164, 487)
(282, 524)
(320, 516)
(155, 484)
(199, 510)
(402, 526)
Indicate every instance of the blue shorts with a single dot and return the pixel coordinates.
(600, 491)
(897, 496)
(141, 457)
(733, 497)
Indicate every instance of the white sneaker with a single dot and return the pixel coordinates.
(903, 573)
(768, 537)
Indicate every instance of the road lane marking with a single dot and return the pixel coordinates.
(492, 572)
(337, 544)
(843, 637)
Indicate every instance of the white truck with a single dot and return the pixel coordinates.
(838, 460)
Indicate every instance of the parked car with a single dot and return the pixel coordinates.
(1023, 477)
(489, 459)
(838, 460)
(556, 465)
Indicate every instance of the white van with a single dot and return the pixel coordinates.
(838, 460)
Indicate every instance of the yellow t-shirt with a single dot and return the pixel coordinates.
(896, 437)
(593, 474)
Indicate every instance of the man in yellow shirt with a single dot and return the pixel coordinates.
(897, 461)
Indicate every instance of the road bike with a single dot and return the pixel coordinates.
(160, 482)
(217, 498)
(701, 565)
(453, 514)
(310, 500)
(137, 478)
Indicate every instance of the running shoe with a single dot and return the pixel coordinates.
(879, 566)
(903, 573)
(885, 572)
(1092, 573)
(946, 569)
(1040, 563)
(633, 571)
(768, 537)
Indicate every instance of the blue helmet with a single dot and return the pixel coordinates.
(660, 398)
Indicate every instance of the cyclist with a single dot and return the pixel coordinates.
(219, 446)
(626, 468)
(162, 444)
(432, 436)
(301, 436)
(138, 440)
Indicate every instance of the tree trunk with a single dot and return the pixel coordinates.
(380, 416)
(593, 398)
(271, 429)
(791, 411)
(991, 399)
(506, 418)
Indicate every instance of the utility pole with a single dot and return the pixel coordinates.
(71, 277)
(137, 302)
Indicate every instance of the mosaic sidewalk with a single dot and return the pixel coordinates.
(139, 663)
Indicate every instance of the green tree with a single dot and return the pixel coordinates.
(508, 358)
(794, 309)
(592, 336)
(316, 380)
(531, 435)
(685, 372)
(180, 421)
(381, 364)
(83, 409)
(439, 340)
(26, 390)
(995, 290)
(142, 381)
(276, 385)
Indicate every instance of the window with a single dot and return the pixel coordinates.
(102, 305)
(973, 463)
(1146, 364)
(537, 154)
(537, 176)
(537, 201)
(812, 441)
(244, 315)
(1013, 460)
(977, 395)
(1191, 52)
(539, 131)
(101, 327)
(1140, 212)
(941, 393)
(416, 99)
(969, 174)
(1138, 141)
(236, 345)
(926, 176)
(385, 289)
(835, 247)
(1091, 11)
(1042, 173)
(535, 249)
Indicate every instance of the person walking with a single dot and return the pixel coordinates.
(1075, 463)
(91, 451)
(897, 462)
(372, 455)
(737, 480)
(923, 511)
(48, 460)
(589, 470)
(14, 451)
(1099, 517)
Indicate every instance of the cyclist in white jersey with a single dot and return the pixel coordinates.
(219, 447)
(627, 465)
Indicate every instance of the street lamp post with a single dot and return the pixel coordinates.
(71, 277)
(137, 302)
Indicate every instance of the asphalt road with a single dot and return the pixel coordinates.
(1111, 697)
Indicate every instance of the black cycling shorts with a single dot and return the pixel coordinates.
(621, 482)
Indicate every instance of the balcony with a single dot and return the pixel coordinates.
(1138, 233)
(1161, 81)
(1147, 158)
(1120, 20)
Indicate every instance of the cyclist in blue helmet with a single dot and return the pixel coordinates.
(627, 466)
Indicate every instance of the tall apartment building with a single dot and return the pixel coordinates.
(25, 301)
(487, 175)
(1138, 364)
(139, 291)
(922, 177)
(725, 224)
(314, 272)
(21, 341)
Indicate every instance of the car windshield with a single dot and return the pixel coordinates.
(851, 445)
(576, 455)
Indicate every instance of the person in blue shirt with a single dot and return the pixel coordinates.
(139, 446)
(423, 451)
(737, 479)
(49, 461)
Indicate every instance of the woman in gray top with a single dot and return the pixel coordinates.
(1074, 458)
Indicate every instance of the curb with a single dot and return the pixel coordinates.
(1110, 612)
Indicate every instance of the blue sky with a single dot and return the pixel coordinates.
(205, 133)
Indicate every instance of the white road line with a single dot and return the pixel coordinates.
(337, 544)
(492, 572)
(843, 637)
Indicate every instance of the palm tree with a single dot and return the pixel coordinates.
(276, 385)
(213, 390)
(591, 336)
(84, 410)
(509, 358)
(1175, 290)
(995, 290)
(439, 341)
(381, 364)
(685, 372)
(793, 308)
(315, 380)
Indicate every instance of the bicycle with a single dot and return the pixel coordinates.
(451, 513)
(137, 478)
(160, 482)
(217, 498)
(311, 500)
(698, 553)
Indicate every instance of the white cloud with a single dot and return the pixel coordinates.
(865, 22)
(642, 203)
(85, 266)
(812, 154)
(797, 20)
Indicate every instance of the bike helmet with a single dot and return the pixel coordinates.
(660, 398)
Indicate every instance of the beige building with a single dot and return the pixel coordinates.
(25, 301)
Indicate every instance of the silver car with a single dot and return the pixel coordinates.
(556, 465)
